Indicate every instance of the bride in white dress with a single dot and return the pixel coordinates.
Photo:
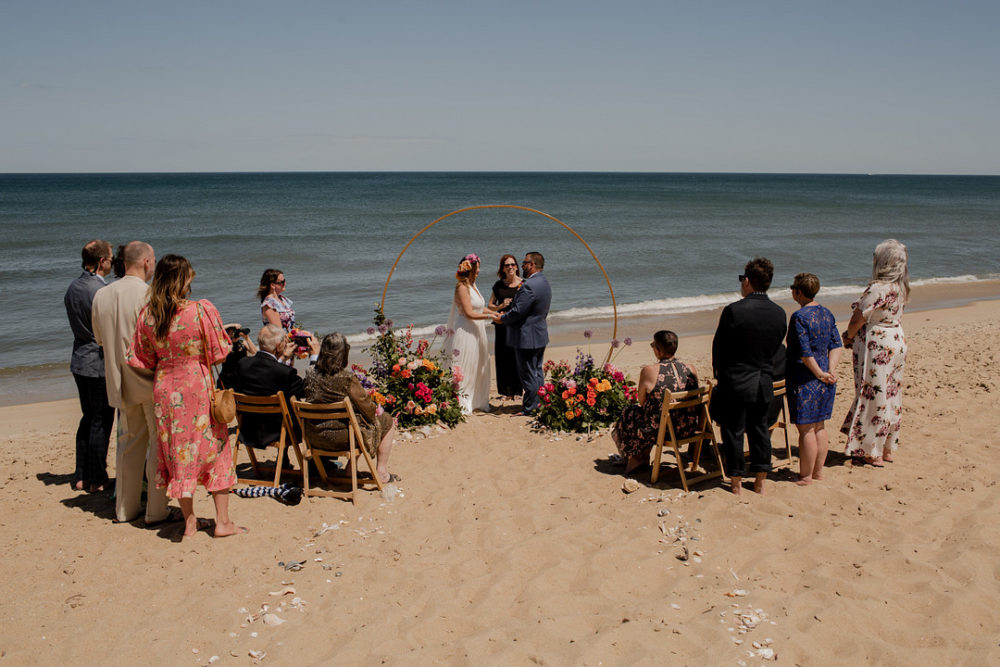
(466, 342)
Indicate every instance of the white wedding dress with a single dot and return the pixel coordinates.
(473, 354)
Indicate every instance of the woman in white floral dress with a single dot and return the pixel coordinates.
(879, 346)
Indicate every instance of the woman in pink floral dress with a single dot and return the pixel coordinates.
(875, 332)
(170, 339)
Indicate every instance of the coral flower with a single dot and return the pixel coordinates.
(569, 414)
(591, 402)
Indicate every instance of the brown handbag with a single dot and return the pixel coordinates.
(223, 401)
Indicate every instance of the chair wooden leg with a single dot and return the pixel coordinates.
(655, 473)
(354, 473)
(680, 466)
(304, 462)
(278, 464)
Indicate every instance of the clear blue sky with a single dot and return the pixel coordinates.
(902, 87)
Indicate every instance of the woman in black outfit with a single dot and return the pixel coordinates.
(508, 382)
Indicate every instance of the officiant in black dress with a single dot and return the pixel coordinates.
(508, 381)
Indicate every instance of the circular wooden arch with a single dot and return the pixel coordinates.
(614, 305)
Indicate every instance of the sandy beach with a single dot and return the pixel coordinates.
(512, 546)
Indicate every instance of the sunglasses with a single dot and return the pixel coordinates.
(741, 277)
(514, 264)
(279, 282)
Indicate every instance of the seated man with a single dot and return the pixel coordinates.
(263, 374)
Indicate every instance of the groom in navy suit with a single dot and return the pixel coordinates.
(527, 332)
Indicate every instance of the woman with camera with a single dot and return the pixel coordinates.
(275, 307)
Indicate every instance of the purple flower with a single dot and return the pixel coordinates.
(615, 343)
(449, 332)
(587, 333)
(440, 329)
(628, 341)
(382, 328)
(455, 352)
(371, 331)
(388, 323)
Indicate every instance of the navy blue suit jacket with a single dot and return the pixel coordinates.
(525, 319)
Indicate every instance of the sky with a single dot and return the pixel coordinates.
(661, 86)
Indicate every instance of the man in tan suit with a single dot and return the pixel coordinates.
(114, 315)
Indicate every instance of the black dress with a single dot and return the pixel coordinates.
(508, 381)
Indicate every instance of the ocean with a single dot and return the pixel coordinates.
(670, 243)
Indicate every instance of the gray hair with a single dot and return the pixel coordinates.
(333, 353)
(889, 265)
(269, 337)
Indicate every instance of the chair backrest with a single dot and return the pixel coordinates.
(264, 405)
(322, 412)
(779, 388)
(679, 400)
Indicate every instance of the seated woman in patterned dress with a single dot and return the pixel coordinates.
(635, 433)
(814, 350)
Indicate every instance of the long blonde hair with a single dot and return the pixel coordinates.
(890, 265)
(168, 291)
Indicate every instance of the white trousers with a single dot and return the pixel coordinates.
(137, 451)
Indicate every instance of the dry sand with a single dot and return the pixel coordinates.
(509, 546)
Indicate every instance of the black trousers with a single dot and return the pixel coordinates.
(94, 432)
(751, 419)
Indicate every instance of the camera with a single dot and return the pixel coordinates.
(236, 335)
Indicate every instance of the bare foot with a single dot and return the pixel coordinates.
(804, 481)
(736, 485)
(817, 478)
(78, 486)
(887, 457)
(758, 484)
(228, 529)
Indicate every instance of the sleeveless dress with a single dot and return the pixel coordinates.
(872, 424)
(468, 348)
(194, 449)
(635, 433)
(508, 379)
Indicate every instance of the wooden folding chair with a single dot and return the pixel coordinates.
(343, 412)
(696, 398)
(267, 405)
(782, 423)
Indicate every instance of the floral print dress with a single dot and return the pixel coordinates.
(635, 433)
(193, 448)
(281, 305)
(872, 423)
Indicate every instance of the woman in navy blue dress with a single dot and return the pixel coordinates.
(814, 349)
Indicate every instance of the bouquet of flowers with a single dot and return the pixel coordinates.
(583, 397)
(407, 380)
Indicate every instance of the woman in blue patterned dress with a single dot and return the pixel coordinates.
(814, 349)
(635, 433)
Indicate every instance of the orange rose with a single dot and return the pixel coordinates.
(569, 414)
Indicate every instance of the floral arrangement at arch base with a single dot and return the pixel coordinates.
(408, 381)
(584, 397)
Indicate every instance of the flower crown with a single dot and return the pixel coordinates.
(471, 257)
